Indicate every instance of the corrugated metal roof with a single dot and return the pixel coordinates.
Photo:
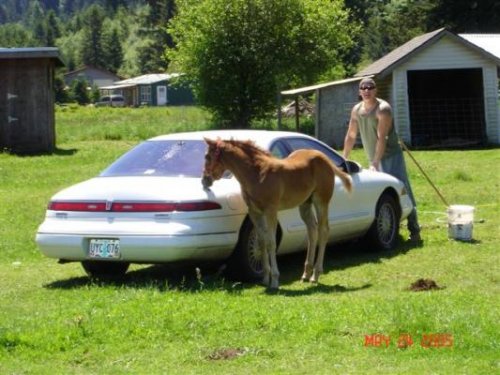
(32, 53)
(117, 87)
(308, 89)
(489, 42)
(147, 79)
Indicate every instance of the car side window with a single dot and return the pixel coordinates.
(278, 150)
(302, 143)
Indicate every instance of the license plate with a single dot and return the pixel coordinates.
(104, 248)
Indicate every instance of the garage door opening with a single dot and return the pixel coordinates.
(446, 108)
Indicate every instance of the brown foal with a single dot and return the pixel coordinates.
(268, 184)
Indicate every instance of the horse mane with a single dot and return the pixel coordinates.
(249, 148)
(259, 157)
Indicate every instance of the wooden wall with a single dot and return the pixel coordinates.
(27, 124)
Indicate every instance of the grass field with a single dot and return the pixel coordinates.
(362, 318)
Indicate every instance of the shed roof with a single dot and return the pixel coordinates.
(404, 52)
(32, 53)
(309, 89)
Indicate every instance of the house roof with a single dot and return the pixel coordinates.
(404, 52)
(32, 53)
(88, 67)
(147, 79)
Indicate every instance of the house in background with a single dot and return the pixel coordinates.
(92, 75)
(443, 89)
(27, 120)
(151, 90)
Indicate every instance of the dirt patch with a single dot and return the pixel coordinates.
(424, 284)
(226, 353)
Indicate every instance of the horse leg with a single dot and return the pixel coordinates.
(272, 224)
(307, 215)
(323, 232)
(259, 223)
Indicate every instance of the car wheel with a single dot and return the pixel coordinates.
(102, 270)
(384, 232)
(245, 263)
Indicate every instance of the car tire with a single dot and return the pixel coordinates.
(105, 270)
(384, 232)
(245, 264)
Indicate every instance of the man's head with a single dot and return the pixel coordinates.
(367, 83)
(367, 88)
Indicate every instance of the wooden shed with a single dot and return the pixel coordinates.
(443, 89)
(27, 124)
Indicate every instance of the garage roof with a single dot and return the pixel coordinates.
(404, 52)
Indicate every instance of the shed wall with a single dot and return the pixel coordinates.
(27, 105)
(333, 108)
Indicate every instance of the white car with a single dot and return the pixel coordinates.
(111, 101)
(149, 206)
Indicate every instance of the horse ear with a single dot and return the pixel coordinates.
(208, 141)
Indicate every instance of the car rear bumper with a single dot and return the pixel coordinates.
(142, 249)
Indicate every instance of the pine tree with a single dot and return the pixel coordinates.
(52, 28)
(112, 50)
(91, 51)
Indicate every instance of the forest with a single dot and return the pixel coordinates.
(129, 37)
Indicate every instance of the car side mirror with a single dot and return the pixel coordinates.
(352, 167)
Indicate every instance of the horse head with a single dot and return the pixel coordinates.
(214, 167)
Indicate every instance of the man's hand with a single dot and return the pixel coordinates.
(374, 166)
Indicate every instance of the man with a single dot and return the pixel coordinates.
(373, 118)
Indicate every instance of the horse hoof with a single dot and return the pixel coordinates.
(304, 279)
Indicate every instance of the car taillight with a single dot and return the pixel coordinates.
(133, 206)
(77, 206)
(197, 206)
(142, 207)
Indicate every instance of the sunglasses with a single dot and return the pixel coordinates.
(369, 88)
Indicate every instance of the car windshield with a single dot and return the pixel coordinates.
(161, 158)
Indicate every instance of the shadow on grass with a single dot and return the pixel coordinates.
(316, 289)
(195, 279)
(56, 151)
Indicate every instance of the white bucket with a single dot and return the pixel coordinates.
(460, 220)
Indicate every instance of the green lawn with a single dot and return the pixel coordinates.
(160, 320)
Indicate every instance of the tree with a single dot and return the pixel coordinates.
(112, 50)
(151, 55)
(52, 28)
(91, 51)
(240, 53)
(79, 91)
(14, 35)
(61, 94)
(465, 16)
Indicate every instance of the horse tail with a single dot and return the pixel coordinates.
(344, 177)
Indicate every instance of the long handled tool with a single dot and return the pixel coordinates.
(425, 174)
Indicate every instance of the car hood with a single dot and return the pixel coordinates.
(145, 189)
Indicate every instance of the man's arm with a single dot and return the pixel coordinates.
(352, 132)
(384, 125)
